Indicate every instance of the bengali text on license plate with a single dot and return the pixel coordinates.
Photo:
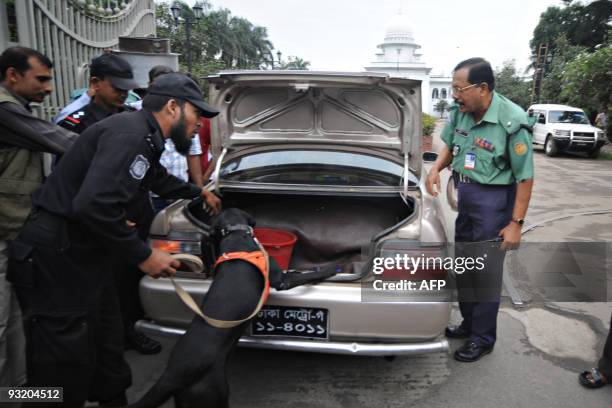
(288, 321)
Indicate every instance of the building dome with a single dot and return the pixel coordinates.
(399, 27)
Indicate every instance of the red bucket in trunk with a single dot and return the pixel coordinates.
(278, 243)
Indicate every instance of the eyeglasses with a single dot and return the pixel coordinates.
(456, 90)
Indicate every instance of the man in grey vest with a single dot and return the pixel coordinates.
(25, 77)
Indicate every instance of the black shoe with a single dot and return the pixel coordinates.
(141, 343)
(457, 332)
(119, 401)
(471, 352)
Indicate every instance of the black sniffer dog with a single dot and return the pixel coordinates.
(196, 372)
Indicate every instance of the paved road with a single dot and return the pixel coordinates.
(536, 359)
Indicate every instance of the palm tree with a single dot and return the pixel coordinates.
(221, 41)
(296, 63)
(263, 47)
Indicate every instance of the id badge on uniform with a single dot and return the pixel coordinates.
(470, 161)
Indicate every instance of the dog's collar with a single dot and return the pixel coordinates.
(225, 231)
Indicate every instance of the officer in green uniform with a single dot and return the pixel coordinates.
(487, 141)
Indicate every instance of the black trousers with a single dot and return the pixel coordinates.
(72, 323)
(127, 280)
(605, 362)
(483, 211)
(127, 276)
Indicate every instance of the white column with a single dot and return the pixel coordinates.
(4, 29)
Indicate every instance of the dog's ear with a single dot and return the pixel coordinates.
(251, 221)
(248, 218)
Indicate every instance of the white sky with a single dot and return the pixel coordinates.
(342, 35)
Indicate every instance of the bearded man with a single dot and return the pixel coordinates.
(61, 262)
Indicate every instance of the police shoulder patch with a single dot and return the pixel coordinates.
(520, 148)
(73, 119)
(139, 167)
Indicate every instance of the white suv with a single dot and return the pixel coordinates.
(565, 128)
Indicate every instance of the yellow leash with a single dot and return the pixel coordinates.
(191, 304)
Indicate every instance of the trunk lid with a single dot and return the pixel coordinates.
(372, 110)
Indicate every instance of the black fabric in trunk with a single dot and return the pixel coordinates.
(330, 230)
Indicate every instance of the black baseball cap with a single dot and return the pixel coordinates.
(180, 86)
(159, 70)
(114, 68)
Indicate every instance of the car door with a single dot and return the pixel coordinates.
(539, 129)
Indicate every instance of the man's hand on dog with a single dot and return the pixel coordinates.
(159, 264)
(212, 201)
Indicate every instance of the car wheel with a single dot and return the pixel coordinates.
(550, 147)
(594, 153)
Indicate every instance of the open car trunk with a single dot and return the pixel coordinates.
(331, 230)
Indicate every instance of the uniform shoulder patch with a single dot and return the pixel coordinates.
(139, 167)
(74, 118)
(520, 148)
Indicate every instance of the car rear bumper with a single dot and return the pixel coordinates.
(411, 320)
(314, 346)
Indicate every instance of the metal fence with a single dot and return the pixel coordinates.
(72, 32)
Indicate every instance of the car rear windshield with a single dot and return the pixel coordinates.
(568, 117)
(316, 167)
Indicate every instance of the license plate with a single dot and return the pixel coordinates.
(307, 322)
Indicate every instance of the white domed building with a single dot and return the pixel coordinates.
(399, 56)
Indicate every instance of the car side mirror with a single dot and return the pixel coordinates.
(541, 119)
(430, 156)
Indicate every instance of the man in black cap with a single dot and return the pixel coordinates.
(110, 79)
(60, 262)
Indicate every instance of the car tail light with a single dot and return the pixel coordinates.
(176, 247)
(401, 260)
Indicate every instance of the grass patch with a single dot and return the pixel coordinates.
(605, 156)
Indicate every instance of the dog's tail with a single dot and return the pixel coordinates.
(156, 396)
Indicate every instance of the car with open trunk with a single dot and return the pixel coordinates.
(335, 159)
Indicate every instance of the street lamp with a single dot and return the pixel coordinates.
(198, 10)
(272, 61)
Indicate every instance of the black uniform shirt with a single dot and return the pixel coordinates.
(111, 166)
(84, 117)
(139, 212)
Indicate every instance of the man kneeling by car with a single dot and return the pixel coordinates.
(60, 263)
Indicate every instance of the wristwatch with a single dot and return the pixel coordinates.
(519, 221)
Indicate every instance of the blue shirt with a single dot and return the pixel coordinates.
(73, 106)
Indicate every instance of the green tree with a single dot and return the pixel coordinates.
(553, 82)
(218, 41)
(296, 63)
(587, 80)
(429, 124)
(510, 84)
(441, 107)
(584, 25)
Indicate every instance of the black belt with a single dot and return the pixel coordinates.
(47, 219)
(462, 178)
